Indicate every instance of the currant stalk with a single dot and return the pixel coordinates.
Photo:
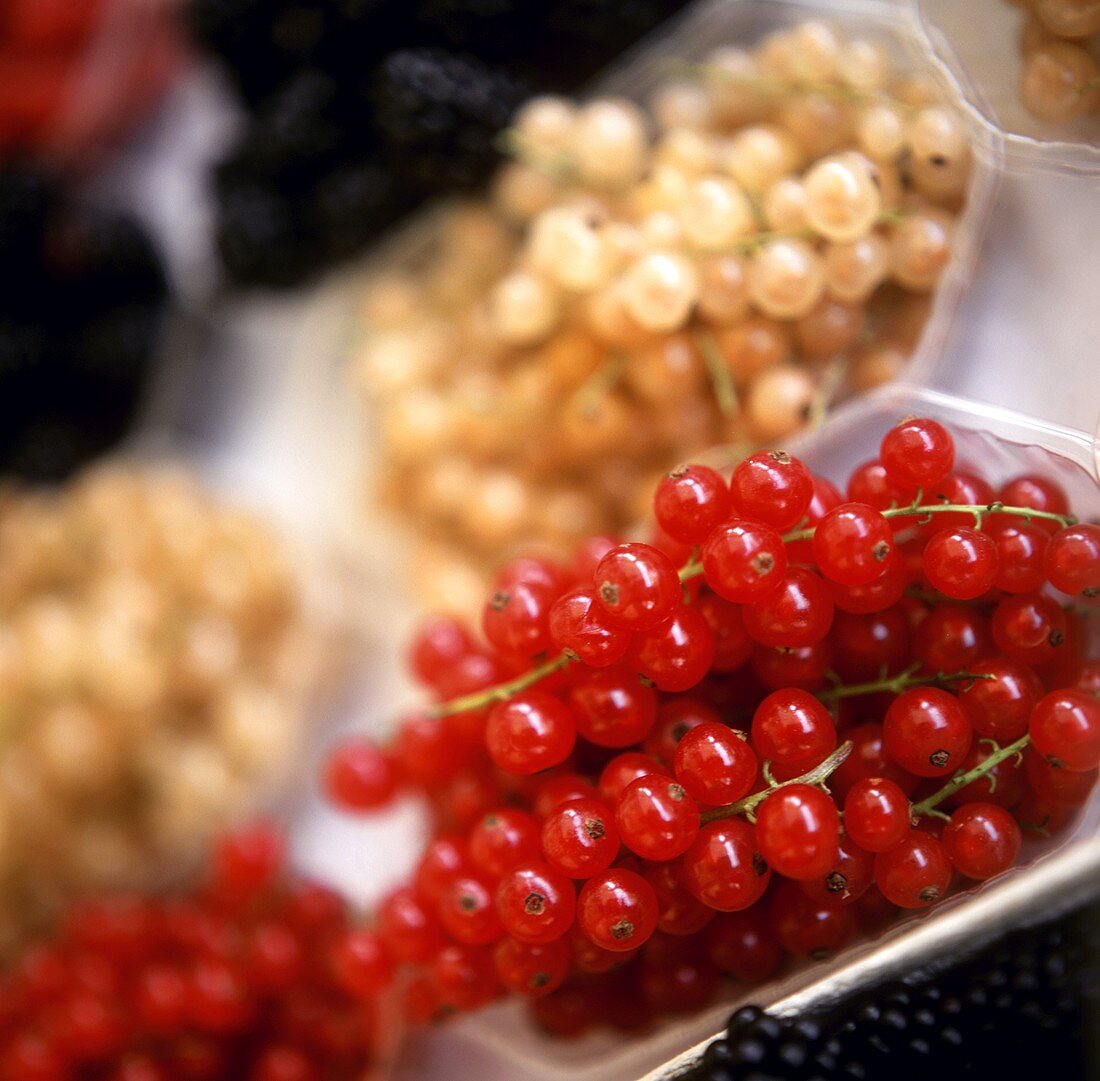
(961, 780)
(896, 684)
(816, 776)
(499, 692)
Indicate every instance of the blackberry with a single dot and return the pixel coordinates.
(439, 113)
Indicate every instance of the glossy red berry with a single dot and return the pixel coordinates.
(559, 789)
(536, 903)
(617, 910)
(516, 619)
(681, 912)
(926, 732)
(870, 484)
(715, 764)
(868, 758)
(772, 487)
(1004, 784)
(439, 643)
(1037, 493)
(529, 732)
(918, 453)
(245, 862)
(1065, 730)
(961, 562)
(876, 814)
(637, 586)
(724, 867)
(690, 501)
(1021, 547)
(531, 969)
(982, 840)
(362, 963)
(578, 629)
(962, 489)
(999, 707)
(359, 776)
(799, 612)
(676, 716)
(877, 595)
(741, 945)
(852, 544)
(409, 928)
(623, 770)
(464, 977)
(916, 873)
(743, 560)
(732, 644)
(612, 708)
(677, 653)
(656, 818)
(867, 647)
(502, 839)
(807, 927)
(445, 858)
(1029, 628)
(1072, 560)
(580, 838)
(467, 912)
(952, 638)
(1059, 786)
(798, 830)
(792, 728)
(825, 498)
(847, 880)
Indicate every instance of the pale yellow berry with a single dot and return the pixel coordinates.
(786, 279)
(609, 143)
(854, 270)
(1060, 82)
(754, 346)
(758, 156)
(521, 191)
(877, 365)
(1069, 18)
(881, 133)
(828, 329)
(544, 130)
(778, 403)
(496, 509)
(820, 123)
(691, 152)
(842, 200)
(417, 425)
(920, 248)
(568, 247)
(716, 213)
(863, 65)
(723, 289)
(523, 308)
(732, 81)
(815, 50)
(784, 205)
(661, 229)
(681, 105)
(660, 290)
(940, 152)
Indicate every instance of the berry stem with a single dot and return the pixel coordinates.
(896, 684)
(499, 692)
(816, 776)
(721, 378)
(961, 780)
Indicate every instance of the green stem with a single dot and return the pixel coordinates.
(817, 776)
(961, 780)
(896, 684)
(501, 691)
(721, 378)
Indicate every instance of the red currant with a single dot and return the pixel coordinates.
(797, 613)
(1060, 786)
(530, 732)
(961, 563)
(502, 839)
(439, 643)
(445, 858)
(516, 620)
(612, 708)
(681, 913)
(982, 840)
(637, 586)
(847, 880)
(806, 927)
(410, 930)
(870, 646)
(715, 764)
(724, 867)
(798, 830)
(868, 758)
(870, 484)
(531, 969)
(656, 818)
(464, 977)
(361, 963)
(926, 732)
(555, 791)
(690, 501)
(580, 838)
(918, 453)
(916, 873)
(876, 814)
(852, 543)
(732, 644)
(772, 487)
(677, 653)
(883, 592)
(578, 630)
(467, 912)
(535, 903)
(804, 667)
(1072, 560)
(792, 728)
(952, 637)
(999, 707)
(824, 499)
(1065, 730)
(1037, 493)
(1020, 550)
(741, 945)
(359, 776)
(1029, 628)
(623, 770)
(617, 910)
(743, 561)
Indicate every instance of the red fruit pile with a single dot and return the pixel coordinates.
(253, 977)
(629, 780)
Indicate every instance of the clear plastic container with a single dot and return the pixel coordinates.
(500, 1044)
(975, 45)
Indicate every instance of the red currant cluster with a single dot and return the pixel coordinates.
(251, 977)
(683, 760)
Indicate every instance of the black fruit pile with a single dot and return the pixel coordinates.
(80, 308)
(361, 109)
(1027, 1006)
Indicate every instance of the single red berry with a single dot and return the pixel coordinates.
(926, 732)
(656, 818)
(918, 453)
(715, 764)
(867, 647)
(999, 707)
(359, 776)
(847, 880)
(961, 489)
(586, 558)
(362, 963)
(467, 912)
(529, 732)
(1029, 628)
(961, 562)
(428, 750)
(160, 999)
(464, 977)
(915, 874)
(681, 913)
(882, 593)
(876, 814)
(1065, 730)
(567, 1012)
(675, 977)
(623, 770)
(274, 957)
(536, 903)
(1020, 550)
(1060, 786)
(798, 830)
(772, 487)
(445, 858)
(531, 969)
(743, 561)
(536, 571)
(502, 839)
(792, 728)
(724, 867)
(612, 708)
(676, 716)
(577, 629)
(806, 927)
(952, 638)
(247, 861)
(29, 1056)
(218, 1000)
(741, 945)
(617, 910)
(1072, 560)
(555, 791)
(637, 587)
(516, 619)
(732, 644)
(799, 612)
(804, 667)
(677, 653)
(690, 501)
(852, 544)
(870, 484)
(982, 840)
(438, 644)
(590, 958)
(411, 931)
(1036, 493)
(580, 838)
